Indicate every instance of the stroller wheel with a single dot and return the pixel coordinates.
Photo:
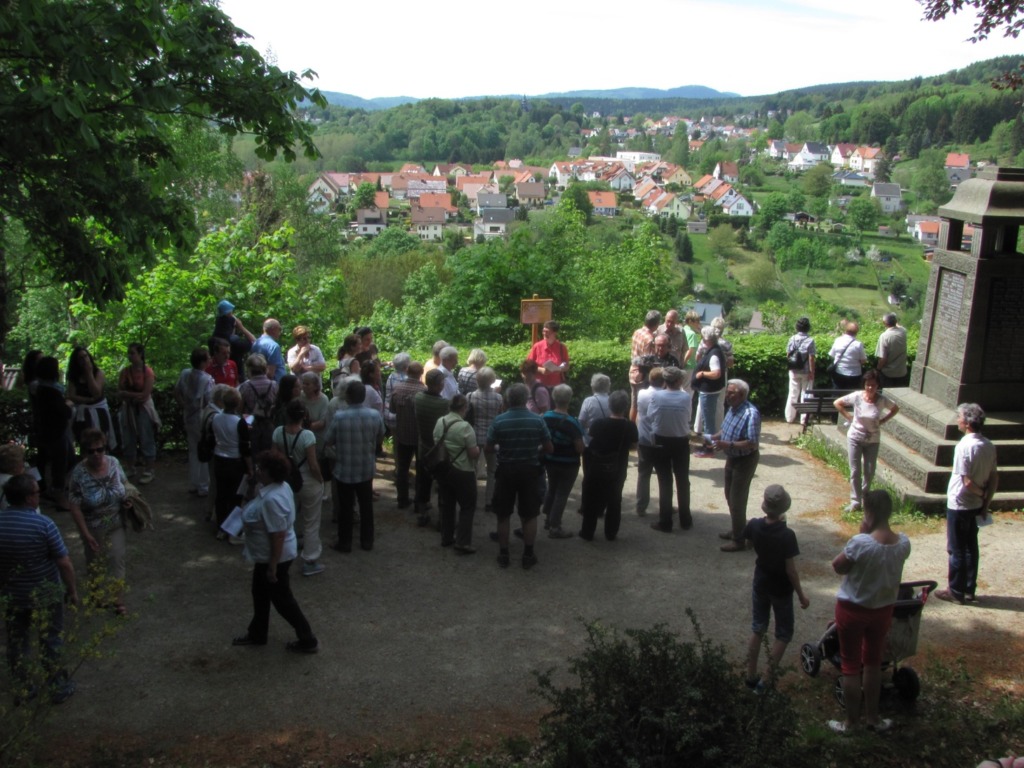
(907, 683)
(810, 659)
(837, 691)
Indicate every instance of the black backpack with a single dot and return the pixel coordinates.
(796, 358)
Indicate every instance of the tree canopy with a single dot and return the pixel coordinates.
(91, 94)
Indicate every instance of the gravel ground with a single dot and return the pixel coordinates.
(421, 646)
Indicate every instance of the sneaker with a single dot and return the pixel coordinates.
(312, 568)
(503, 560)
(733, 546)
(202, 493)
(559, 533)
(297, 646)
(659, 527)
(838, 726)
(752, 682)
(641, 513)
(853, 506)
(704, 454)
(727, 535)
(529, 561)
(883, 725)
(146, 476)
(465, 549)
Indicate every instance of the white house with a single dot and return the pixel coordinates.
(811, 154)
(738, 206)
(888, 195)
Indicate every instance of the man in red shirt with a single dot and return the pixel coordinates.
(551, 357)
(222, 368)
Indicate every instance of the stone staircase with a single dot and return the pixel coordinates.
(916, 455)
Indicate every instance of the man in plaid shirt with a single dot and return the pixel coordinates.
(354, 432)
(738, 439)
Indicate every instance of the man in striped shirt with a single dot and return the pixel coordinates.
(519, 437)
(33, 565)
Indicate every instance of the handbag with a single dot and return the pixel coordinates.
(436, 461)
(831, 369)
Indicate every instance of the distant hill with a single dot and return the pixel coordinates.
(682, 92)
(356, 102)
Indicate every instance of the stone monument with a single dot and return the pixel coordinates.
(971, 347)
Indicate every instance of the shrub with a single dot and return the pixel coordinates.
(648, 699)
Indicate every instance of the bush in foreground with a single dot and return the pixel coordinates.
(649, 699)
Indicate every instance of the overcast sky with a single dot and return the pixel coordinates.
(462, 48)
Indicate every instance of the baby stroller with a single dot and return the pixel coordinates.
(900, 644)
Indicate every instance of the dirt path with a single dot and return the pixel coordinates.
(421, 646)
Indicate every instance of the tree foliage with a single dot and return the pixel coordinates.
(92, 93)
(170, 307)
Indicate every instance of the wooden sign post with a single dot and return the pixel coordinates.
(535, 312)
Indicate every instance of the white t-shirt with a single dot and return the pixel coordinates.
(865, 426)
(975, 456)
(272, 511)
(315, 356)
(877, 571)
(848, 355)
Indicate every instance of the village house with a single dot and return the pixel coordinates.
(958, 168)
(439, 200)
(531, 193)
(864, 159)
(811, 153)
(369, 222)
(727, 171)
(888, 195)
(326, 191)
(841, 154)
(604, 203)
(493, 222)
(428, 223)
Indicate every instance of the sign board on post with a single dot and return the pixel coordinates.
(534, 312)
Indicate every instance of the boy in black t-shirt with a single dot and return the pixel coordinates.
(775, 580)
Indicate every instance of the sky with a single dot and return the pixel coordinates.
(469, 48)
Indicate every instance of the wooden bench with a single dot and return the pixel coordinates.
(818, 403)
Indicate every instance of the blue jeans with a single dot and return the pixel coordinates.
(708, 402)
(962, 545)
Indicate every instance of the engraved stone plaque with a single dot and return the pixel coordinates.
(947, 342)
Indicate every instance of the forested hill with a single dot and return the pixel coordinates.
(959, 107)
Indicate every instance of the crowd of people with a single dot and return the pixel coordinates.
(272, 450)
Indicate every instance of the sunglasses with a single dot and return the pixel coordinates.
(100, 449)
